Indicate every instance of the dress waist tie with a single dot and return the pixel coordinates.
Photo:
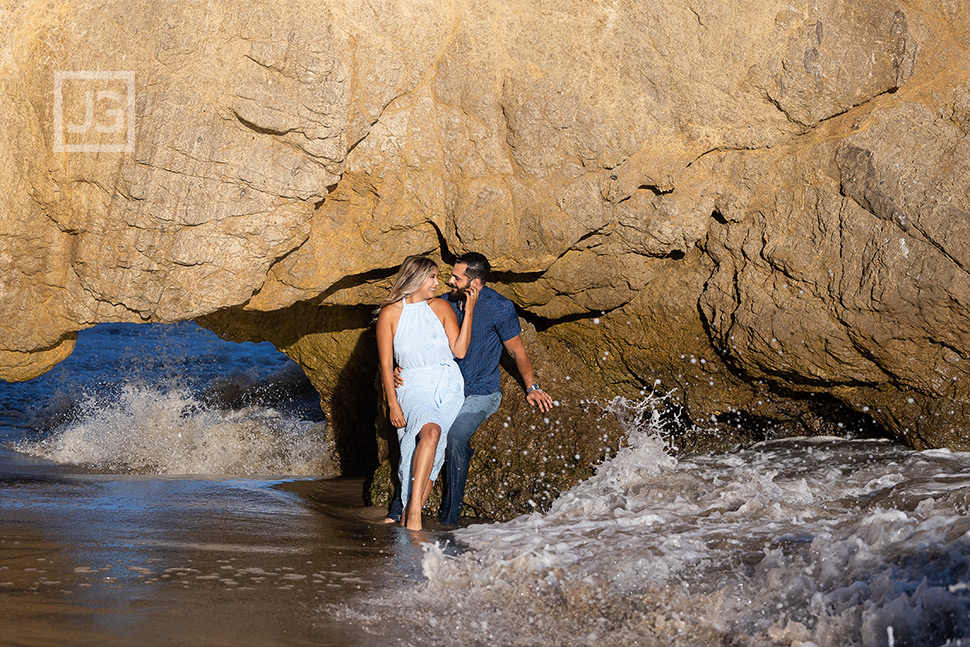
(438, 379)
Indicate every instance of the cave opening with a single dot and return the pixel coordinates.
(169, 399)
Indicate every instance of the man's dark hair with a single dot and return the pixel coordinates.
(476, 266)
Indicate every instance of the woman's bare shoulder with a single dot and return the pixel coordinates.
(391, 312)
(440, 306)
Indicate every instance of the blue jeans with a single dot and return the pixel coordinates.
(458, 454)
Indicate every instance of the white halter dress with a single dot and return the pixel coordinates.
(433, 389)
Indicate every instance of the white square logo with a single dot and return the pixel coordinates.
(94, 112)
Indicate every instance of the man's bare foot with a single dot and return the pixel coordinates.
(389, 520)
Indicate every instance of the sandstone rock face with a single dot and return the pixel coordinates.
(754, 206)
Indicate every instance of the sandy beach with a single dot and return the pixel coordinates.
(89, 559)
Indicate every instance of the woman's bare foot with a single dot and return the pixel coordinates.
(389, 520)
(413, 520)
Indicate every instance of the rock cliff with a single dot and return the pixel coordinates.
(762, 208)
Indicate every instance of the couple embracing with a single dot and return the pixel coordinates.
(436, 402)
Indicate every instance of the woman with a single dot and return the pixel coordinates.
(421, 334)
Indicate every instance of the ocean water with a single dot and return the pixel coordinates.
(155, 399)
(165, 487)
(798, 542)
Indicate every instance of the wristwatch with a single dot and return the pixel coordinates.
(534, 387)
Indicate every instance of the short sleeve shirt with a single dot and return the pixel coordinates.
(495, 322)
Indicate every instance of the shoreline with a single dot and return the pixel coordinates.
(138, 560)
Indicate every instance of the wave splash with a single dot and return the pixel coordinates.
(793, 542)
(141, 429)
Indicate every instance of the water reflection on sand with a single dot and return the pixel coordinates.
(134, 560)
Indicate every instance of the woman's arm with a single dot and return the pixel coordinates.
(385, 350)
(458, 339)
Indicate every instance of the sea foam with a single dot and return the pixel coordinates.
(143, 429)
(805, 542)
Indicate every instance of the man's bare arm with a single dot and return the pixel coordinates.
(516, 350)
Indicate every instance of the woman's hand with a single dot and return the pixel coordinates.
(397, 416)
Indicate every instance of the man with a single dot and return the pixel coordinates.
(496, 326)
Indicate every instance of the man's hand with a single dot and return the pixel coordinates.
(539, 398)
(472, 292)
(397, 377)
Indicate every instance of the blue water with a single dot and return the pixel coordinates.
(169, 399)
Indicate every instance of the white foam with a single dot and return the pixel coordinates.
(798, 541)
(148, 430)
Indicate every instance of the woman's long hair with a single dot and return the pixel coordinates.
(414, 271)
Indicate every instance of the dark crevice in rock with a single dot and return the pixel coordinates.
(583, 239)
(719, 217)
(815, 414)
(807, 409)
(652, 188)
(656, 190)
(447, 256)
(728, 149)
(514, 277)
(355, 144)
(544, 323)
(330, 188)
(541, 324)
(354, 280)
(777, 104)
(888, 91)
(789, 414)
(262, 130)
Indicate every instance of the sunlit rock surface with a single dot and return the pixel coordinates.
(761, 208)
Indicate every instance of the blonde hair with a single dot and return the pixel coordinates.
(414, 271)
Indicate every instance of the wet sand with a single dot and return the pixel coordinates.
(94, 559)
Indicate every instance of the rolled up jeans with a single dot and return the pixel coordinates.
(458, 453)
